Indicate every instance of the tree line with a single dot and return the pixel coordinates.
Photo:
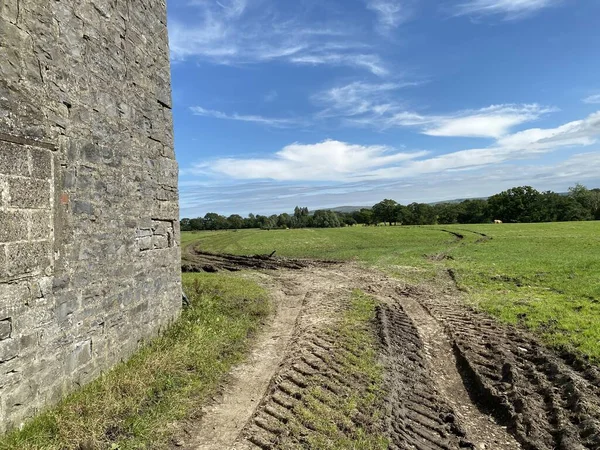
(521, 204)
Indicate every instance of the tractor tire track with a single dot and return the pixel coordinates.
(545, 402)
(454, 377)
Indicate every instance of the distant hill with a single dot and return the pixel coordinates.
(458, 200)
(348, 209)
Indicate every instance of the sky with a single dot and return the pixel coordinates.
(324, 103)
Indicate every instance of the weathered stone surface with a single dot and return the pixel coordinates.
(13, 159)
(89, 256)
(13, 226)
(41, 163)
(5, 328)
(28, 258)
(28, 193)
(40, 225)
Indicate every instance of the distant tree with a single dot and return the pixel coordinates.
(235, 222)
(588, 199)
(447, 213)
(325, 219)
(364, 216)
(420, 214)
(284, 220)
(561, 208)
(385, 211)
(402, 214)
(518, 204)
(474, 211)
(197, 224)
(214, 221)
(185, 225)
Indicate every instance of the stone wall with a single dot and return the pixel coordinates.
(89, 232)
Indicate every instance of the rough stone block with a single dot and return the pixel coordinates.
(81, 354)
(5, 328)
(68, 305)
(13, 226)
(13, 159)
(160, 241)
(145, 243)
(41, 163)
(28, 258)
(9, 349)
(40, 225)
(83, 207)
(29, 193)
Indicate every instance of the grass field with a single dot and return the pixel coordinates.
(140, 403)
(542, 276)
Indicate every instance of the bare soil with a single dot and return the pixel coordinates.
(455, 378)
(195, 260)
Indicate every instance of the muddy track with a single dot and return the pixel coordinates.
(200, 261)
(545, 402)
(316, 374)
(417, 415)
(454, 378)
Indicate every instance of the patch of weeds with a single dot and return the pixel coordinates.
(139, 404)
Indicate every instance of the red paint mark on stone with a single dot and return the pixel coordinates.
(64, 198)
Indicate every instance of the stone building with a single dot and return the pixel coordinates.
(89, 231)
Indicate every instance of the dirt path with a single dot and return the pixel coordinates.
(224, 420)
(454, 377)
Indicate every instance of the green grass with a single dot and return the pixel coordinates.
(542, 276)
(138, 404)
(326, 414)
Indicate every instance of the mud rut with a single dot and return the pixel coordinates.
(454, 377)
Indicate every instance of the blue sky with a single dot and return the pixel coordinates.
(323, 103)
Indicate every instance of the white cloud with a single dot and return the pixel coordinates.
(237, 32)
(492, 122)
(377, 106)
(511, 9)
(270, 121)
(592, 99)
(372, 63)
(390, 13)
(357, 99)
(327, 160)
(268, 197)
(339, 161)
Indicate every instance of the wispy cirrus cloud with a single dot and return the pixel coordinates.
(236, 32)
(390, 13)
(378, 106)
(332, 160)
(592, 99)
(510, 9)
(269, 121)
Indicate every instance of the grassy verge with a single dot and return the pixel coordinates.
(326, 414)
(138, 404)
